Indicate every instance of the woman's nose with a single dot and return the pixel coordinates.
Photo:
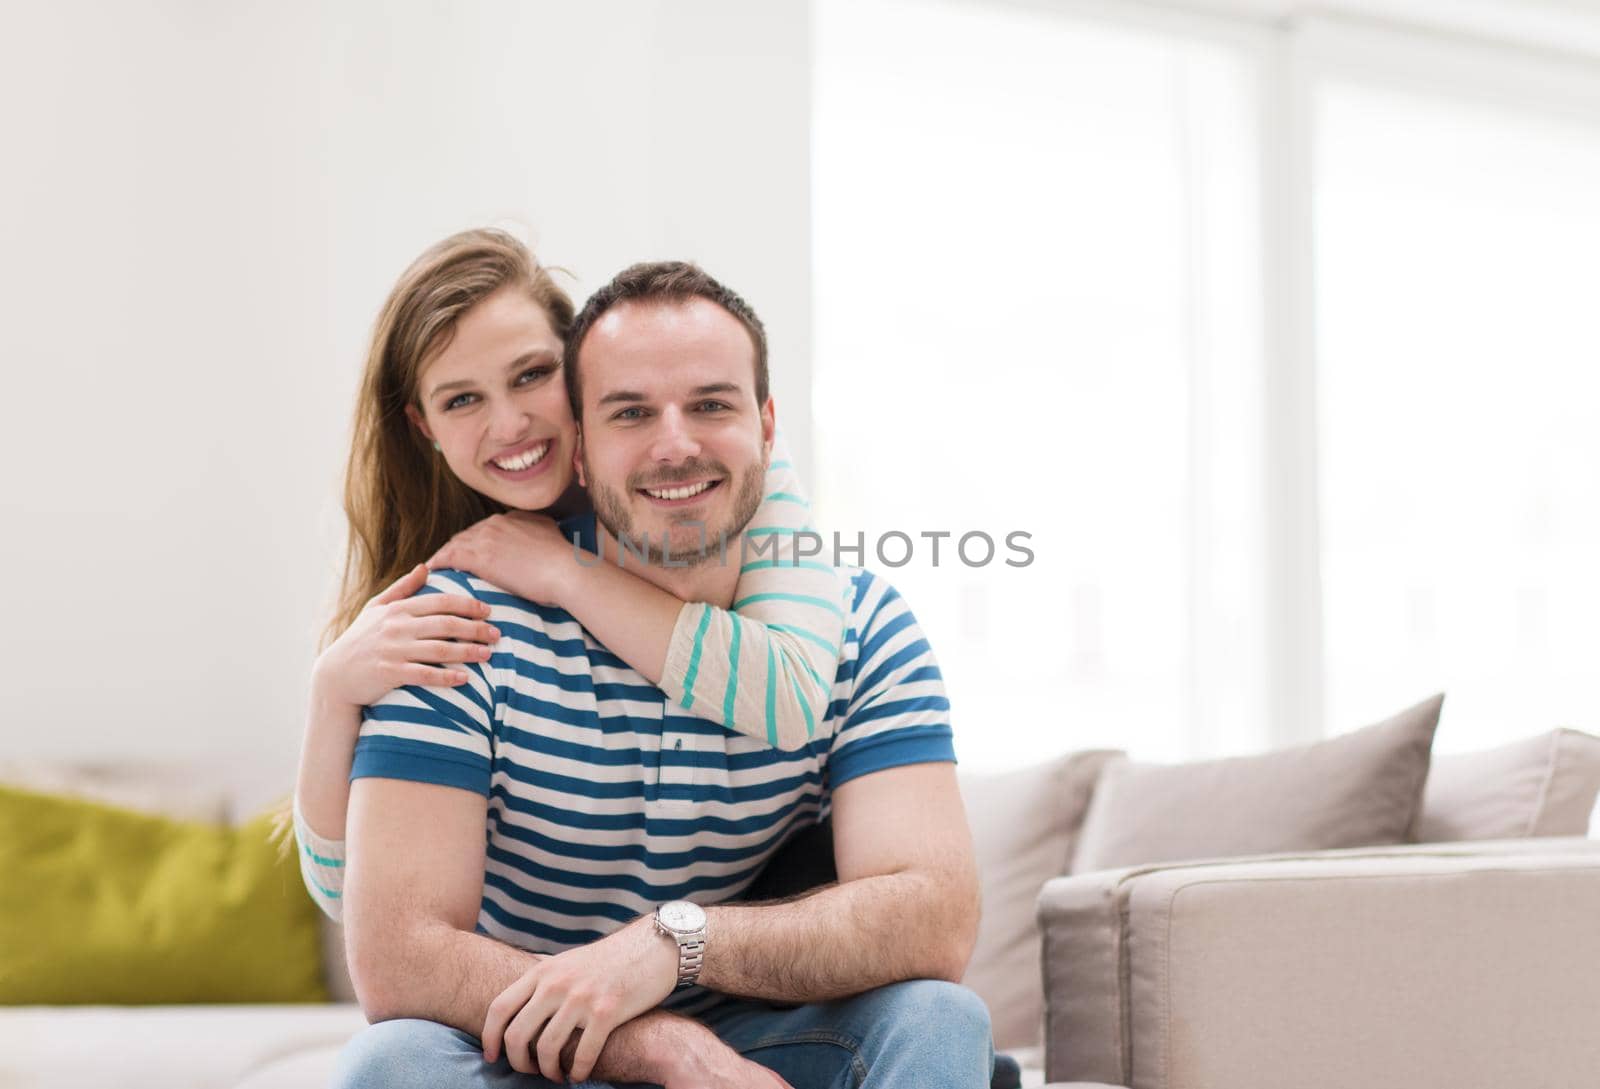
(508, 423)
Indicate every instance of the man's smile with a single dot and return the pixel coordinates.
(682, 494)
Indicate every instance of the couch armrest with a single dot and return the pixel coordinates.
(1428, 965)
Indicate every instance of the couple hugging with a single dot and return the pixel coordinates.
(537, 788)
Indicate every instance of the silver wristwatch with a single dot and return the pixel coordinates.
(685, 923)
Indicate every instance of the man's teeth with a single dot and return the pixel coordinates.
(679, 493)
(524, 460)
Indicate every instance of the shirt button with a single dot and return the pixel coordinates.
(678, 744)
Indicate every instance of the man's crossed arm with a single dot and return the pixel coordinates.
(905, 907)
(412, 894)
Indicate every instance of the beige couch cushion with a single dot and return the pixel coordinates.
(1256, 977)
(1540, 786)
(1329, 969)
(1360, 789)
(1023, 827)
(161, 789)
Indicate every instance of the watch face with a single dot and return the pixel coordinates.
(682, 916)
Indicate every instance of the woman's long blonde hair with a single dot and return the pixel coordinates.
(400, 498)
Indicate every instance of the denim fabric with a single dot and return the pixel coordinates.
(921, 1033)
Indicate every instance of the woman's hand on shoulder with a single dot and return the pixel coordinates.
(521, 552)
(399, 639)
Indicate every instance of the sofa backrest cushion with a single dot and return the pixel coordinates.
(1539, 786)
(1023, 827)
(1361, 789)
(182, 791)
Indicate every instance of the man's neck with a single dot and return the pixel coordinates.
(712, 582)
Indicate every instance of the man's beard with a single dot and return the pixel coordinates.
(700, 541)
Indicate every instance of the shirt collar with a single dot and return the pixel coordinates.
(581, 528)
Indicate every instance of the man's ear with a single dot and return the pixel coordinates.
(414, 414)
(769, 424)
(577, 459)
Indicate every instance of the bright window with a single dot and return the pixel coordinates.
(1037, 311)
(1281, 338)
(1458, 272)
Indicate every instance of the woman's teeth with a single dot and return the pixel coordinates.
(679, 493)
(525, 460)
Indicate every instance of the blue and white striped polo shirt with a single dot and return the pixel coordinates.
(604, 800)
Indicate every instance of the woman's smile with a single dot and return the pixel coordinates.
(522, 462)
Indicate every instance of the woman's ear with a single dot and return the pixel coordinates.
(414, 414)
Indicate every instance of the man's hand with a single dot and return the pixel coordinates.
(588, 991)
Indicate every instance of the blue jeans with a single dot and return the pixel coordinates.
(922, 1033)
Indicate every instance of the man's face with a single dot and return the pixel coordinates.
(671, 430)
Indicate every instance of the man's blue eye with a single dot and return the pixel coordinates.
(712, 406)
(629, 414)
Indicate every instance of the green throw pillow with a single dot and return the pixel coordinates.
(105, 905)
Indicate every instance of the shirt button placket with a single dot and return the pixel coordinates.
(675, 773)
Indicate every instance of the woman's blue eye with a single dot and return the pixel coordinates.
(534, 374)
(458, 400)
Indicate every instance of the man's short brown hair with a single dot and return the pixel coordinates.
(665, 281)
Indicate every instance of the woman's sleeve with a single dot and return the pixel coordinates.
(766, 668)
(321, 866)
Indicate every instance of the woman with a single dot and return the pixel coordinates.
(463, 427)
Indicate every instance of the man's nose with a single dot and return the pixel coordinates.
(674, 440)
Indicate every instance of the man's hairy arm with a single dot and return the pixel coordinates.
(906, 905)
(412, 893)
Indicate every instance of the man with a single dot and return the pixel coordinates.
(608, 812)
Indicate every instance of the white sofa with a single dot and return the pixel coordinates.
(173, 1047)
(1177, 976)
(241, 1046)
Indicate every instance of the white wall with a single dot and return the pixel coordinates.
(201, 209)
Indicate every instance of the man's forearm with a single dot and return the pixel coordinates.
(450, 976)
(658, 1048)
(844, 939)
(432, 971)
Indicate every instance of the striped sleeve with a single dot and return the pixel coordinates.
(897, 712)
(321, 866)
(766, 668)
(435, 734)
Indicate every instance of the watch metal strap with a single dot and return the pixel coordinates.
(691, 954)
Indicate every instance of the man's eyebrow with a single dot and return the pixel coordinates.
(537, 355)
(634, 397)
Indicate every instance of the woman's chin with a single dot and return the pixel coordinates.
(536, 496)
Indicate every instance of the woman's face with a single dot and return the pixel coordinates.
(495, 402)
